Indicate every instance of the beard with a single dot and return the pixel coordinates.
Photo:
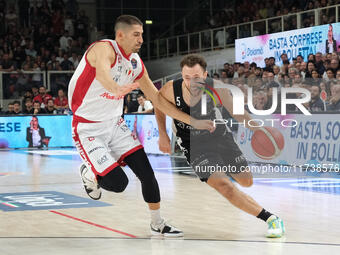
(135, 50)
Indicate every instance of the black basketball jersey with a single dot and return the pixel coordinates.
(183, 130)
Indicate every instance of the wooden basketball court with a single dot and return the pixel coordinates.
(119, 224)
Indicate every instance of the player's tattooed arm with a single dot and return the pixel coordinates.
(101, 56)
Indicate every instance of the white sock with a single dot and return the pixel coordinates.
(155, 217)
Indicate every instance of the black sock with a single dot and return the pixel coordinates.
(264, 215)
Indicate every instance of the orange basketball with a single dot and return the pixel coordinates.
(267, 143)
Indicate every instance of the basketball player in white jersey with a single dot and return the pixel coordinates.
(204, 150)
(109, 70)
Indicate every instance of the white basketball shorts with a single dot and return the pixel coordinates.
(104, 145)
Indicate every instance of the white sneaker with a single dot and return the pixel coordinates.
(276, 228)
(165, 229)
(90, 183)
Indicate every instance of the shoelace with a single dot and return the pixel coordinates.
(163, 224)
(272, 224)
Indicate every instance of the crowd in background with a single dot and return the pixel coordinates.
(40, 36)
(53, 35)
(320, 74)
(236, 12)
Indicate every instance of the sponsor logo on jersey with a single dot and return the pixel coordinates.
(182, 125)
(96, 148)
(102, 160)
(134, 63)
(111, 97)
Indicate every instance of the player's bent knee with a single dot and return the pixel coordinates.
(115, 181)
(120, 187)
(246, 182)
(222, 185)
(226, 188)
(244, 177)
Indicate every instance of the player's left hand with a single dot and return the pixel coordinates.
(126, 89)
(164, 144)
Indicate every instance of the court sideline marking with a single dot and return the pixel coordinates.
(176, 239)
(94, 224)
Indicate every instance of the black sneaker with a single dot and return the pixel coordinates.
(90, 183)
(165, 229)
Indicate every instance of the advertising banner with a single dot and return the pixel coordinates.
(146, 128)
(324, 39)
(314, 140)
(40, 131)
(55, 131)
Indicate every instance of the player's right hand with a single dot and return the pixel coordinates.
(126, 89)
(164, 144)
(203, 125)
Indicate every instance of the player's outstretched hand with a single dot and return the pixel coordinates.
(164, 144)
(126, 89)
(203, 125)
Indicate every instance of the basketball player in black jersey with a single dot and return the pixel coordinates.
(219, 147)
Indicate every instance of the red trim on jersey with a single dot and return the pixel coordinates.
(114, 62)
(87, 51)
(82, 120)
(123, 52)
(141, 73)
(109, 169)
(82, 86)
(121, 159)
(83, 154)
(112, 65)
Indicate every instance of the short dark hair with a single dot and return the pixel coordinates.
(330, 69)
(193, 59)
(140, 95)
(16, 102)
(253, 64)
(36, 101)
(127, 20)
(315, 85)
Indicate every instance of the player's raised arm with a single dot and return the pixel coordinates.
(101, 56)
(165, 106)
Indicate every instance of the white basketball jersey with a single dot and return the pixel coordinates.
(88, 99)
